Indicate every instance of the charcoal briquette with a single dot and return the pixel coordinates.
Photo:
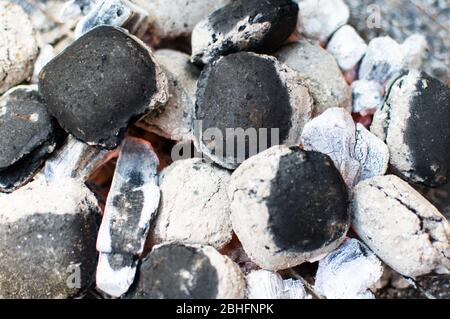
(288, 206)
(176, 271)
(102, 83)
(265, 284)
(414, 124)
(244, 25)
(29, 134)
(47, 240)
(249, 91)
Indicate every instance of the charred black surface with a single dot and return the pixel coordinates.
(280, 14)
(99, 85)
(40, 253)
(242, 90)
(28, 135)
(308, 202)
(176, 272)
(428, 130)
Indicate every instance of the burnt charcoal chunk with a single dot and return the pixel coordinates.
(28, 134)
(165, 274)
(100, 84)
(249, 91)
(414, 123)
(321, 216)
(288, 206)
(244, 25)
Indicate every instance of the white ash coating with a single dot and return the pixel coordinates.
(414, 51)
(357, 153)
(347, 47)
(319, 19)
(132, 200)
(18, 46)
(249, 191)
(114, 282)
(390, 123)
(175, 18)
(265, 284)
(348, 272)
(194, 207)
(320, 73)
(205, 41)
(367, 97)
(119, 13)
(383, 60)
(46, 53)
(175, 120)
(407, 232)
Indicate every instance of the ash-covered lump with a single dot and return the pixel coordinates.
(288, 206)
(102, 83)
(405, 230)
(176, 271)
(47, 240)
(414, 123)
(28, 133)
(244, 25)
(256, 96)
(194, 208)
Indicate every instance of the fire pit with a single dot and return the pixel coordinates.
(232, 149)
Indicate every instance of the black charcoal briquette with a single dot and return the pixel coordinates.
(28, 134)
(176, 271)
(244, 25)
(252, 94)
(102, 83)
(47, 240)
(288, 206)
(414, 123)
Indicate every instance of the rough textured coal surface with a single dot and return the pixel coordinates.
(176, 272)
(428, 130)
(40, 252)
(99, 85)
(308, 202)
(281, 14)
(243, 90)
(28, 133)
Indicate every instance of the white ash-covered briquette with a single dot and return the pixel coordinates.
(288, 206)
(244, 25)
(414, 124)
(349, 272)
(384, 59)
(252, 94)
(367, 97)
(175, 120)
(407, 232)
(320, 72)
(319, 19)
(414, 48)
(177, 18)
(265, 284)
(347, 47)
(73, 9)
(132, 202)
(18, 46)
(47, 240)
(119, 13)
(357, 153)
(28, 134)
(176, 271)
(102, 83)
(194, 207)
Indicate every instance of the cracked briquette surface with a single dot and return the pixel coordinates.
(105, 72)
(401, 227)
